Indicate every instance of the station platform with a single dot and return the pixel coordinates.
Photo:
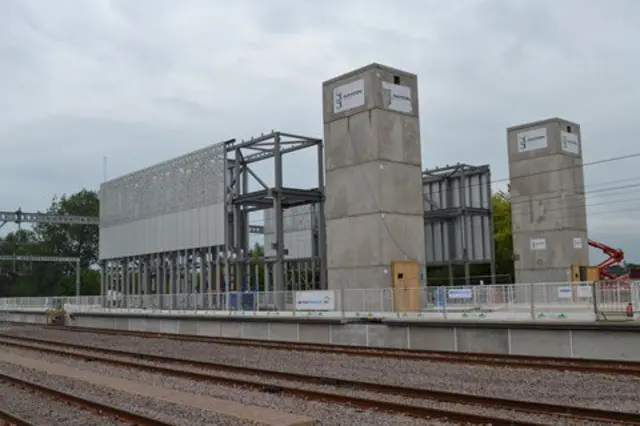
(542, 337)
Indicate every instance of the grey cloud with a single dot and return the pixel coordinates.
(143, 81)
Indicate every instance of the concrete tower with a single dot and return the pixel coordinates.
(374, 199)
(548, 201)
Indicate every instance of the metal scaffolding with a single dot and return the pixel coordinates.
(224, 275)
(199, 277)
(240, 201)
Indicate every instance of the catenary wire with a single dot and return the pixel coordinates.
(616, 188)
(554, 170)
(603, 192)
(409, 256)
(462, 187)
(596, 213)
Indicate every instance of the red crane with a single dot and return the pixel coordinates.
(615, 256)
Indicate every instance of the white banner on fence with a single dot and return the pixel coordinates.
(315, 300)
(584, 291)
(564, 293)
(460, 293)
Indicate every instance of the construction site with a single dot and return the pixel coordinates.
(184, 226)
(344, 271)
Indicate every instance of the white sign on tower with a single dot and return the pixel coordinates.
(348, 96)
(570, 143)
(532, 140)
(397, 97)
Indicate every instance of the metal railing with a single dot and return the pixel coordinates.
(536, 301)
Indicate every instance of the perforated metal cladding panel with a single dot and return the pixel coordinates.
(173, 205)
(297, 232)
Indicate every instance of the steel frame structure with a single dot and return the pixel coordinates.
(241, 201)
(206, 277)
(20, 217)
(449, 215)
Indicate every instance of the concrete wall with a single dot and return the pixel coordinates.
(374, 200)
(579, 340)
(548, 201)
(298, 232)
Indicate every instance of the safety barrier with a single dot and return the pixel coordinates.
(536, 301)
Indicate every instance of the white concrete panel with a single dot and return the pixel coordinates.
(200, 227)
(194, 226)
(299, 244)
(167, 229)
(181, 228)
(294, 219)
(152, 233)
(204, 225)
(162, 237)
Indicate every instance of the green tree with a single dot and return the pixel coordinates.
(54, 278)
(257, 256)
(502, 234)
(72, 240)
(17, 278)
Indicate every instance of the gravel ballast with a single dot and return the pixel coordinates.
(147, 406)
(40, 409)
(276, 401)
(325, 414)
(609, 392)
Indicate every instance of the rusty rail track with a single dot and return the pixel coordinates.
(499, 360)
(94, 354)
(104, 409)
(8, 419)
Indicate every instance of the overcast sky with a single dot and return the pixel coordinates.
(142, 81)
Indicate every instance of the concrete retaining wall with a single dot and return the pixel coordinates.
(579, 340)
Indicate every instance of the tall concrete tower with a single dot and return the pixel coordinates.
(374, 199)
(548, 201)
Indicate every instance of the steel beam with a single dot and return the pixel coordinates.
(27, 258)
(22, 217)
(240, 201)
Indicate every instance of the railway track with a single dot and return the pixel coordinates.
(8, 419)
(499, 360)
(378, 395)
(76, 400)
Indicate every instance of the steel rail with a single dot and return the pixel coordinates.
(81, 402)
(8, 419)
(496, 360)
(582, 413)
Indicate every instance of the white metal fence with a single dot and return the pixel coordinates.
(4, 320)
(538, 301)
